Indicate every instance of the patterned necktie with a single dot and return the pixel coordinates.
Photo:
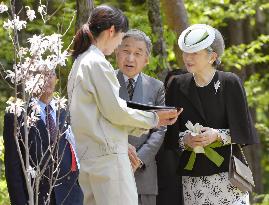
(50, 123)
(130, 88)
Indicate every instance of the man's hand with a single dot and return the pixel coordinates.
(135, 162)
(168, 117)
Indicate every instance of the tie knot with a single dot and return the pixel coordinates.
(131, 81)
(48, 108)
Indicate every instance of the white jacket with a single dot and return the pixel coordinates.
(100, 119)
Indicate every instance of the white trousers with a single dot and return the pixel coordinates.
(108, 180)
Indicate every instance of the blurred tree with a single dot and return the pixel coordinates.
(177, 21)
(159, 47)
(84, 8)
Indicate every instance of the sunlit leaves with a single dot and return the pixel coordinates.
(240, 56)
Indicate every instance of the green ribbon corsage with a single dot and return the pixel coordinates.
(210, 153)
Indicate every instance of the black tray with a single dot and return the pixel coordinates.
(140, 106)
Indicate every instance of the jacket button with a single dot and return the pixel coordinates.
(68, 178)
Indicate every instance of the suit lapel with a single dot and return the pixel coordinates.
(189, 89)
(123, 90)
(62, 115)
(42, 133)
(42, 129)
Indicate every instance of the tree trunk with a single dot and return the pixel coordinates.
(177, 21)
(159, 48)
(236, 37)
(261, 26)
(84, 8)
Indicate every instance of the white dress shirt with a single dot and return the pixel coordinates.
(126, 79)
(43, 113)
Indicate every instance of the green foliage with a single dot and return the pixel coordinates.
(262, 199)
(243, 55)
(258, 97)
(215, 12)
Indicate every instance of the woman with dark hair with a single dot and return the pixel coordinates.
(100, 119)
(215, 116)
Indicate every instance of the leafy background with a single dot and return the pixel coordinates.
(244, 24)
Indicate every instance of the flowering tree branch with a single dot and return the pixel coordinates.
(32, 65)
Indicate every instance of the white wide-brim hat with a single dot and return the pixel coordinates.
(196, 37)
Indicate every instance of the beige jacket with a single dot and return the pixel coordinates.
(100, 119)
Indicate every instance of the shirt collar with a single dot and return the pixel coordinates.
(126, 78)
(52, 104)
(93, 47)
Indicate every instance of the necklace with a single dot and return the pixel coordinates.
(206, 83)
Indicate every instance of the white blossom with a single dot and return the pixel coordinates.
(35, 107)
(62, 58)
(14, 24)
(195, 129)
(60, 102)
(35, 44)
(15, 106)
(31, 172)
(8, 24)
(42, 10)
(35, 83)
(11, 75)
(30, 13)
(31, 120)
(22, 52)
(54, 42)
(3, 8)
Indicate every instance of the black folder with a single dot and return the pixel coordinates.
(146, 107)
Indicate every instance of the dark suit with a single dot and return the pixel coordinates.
(224, 107)
(169, 183)
(66, 190)
(148, 91)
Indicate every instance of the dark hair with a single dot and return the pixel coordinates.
(171, 74)
(102, 18)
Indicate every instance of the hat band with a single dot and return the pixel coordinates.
(205, 36)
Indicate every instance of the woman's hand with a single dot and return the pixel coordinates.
(193, 141)
(168, 117)
(208, 136)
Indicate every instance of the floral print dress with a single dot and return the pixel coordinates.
(215, 189)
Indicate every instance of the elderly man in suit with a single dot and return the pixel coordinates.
(132, 56)
(61, 171)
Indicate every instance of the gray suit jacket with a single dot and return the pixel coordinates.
(148, 90)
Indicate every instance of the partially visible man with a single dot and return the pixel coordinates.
(60, 163)
(169, 182)
(132, 56)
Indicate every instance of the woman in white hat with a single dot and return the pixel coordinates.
(215, 104)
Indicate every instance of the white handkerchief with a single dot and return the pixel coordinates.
(195, 130)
